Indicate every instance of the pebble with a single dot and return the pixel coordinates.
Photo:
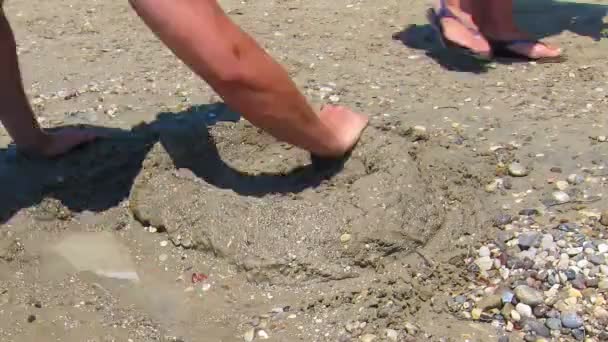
(604, 218)
(476, 313)
(392, 335)
(507, 296)
(164, 243)
(561, 197)
(518, 170)
(600, 314)
(574, 251)
(561, 185)
(490, 302)
(602, 248)
(345, 238)
(578, 334)
(572, 320)
(163, 257)
(367, 338)
(484, 251)
(539, 328)
(249, 335)
(484, 263)
(528, 295)
(540, 310)
(603, 284)
(528, 212)
(502, 219)
(553, 323)
(515, 316)
(527, 240)
(575, 179)
(523, 309)
(263, 335)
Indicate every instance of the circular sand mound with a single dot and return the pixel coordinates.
(264, 207)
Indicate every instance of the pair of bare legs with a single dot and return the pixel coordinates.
(494, 19)
(203, 37)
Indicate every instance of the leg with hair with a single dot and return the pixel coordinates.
(498, 25)
(15, 112)
(246, 77)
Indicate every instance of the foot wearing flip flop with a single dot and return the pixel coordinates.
(526, 48)
(457, 28)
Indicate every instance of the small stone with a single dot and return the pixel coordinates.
(592, 282)
(539, 328)
(561, 197)
(582, 263)
(597, 259)
(553, 323)
(603, 284)
(574, 251)
(164, 243)
(574, 293)
(604, 218)
(31, 318)
(152, 229)
(392, 335)
(600, 314)
(484, 263)
(578, 334)
(345, 238)
(420, 133)
(502, 219)
(507, 296)
(540, 310)
(604, 269)
(575, 179)
(515, 316)
(263, 335)
(527, 240)
(163, 257)
(504, 338)
(572, 320)
(579, 283)
(561, 185)
(518, 170)
(484, 251)
(351, 326)
(249, 335)
(490, 302)
(602, 248)
(528, 295)
(476, 313)
(523, 309)
(528, 212)
(367, 338)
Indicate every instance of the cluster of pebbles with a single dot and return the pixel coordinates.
(546, 281)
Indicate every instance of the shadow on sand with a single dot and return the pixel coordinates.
(542, 18)
(100, 175)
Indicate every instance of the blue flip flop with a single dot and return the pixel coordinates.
(434, 18)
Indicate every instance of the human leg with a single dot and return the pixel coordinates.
(15, 112)
(498, 25)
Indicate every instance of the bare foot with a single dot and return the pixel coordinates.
(347, 126)
(524, 44)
